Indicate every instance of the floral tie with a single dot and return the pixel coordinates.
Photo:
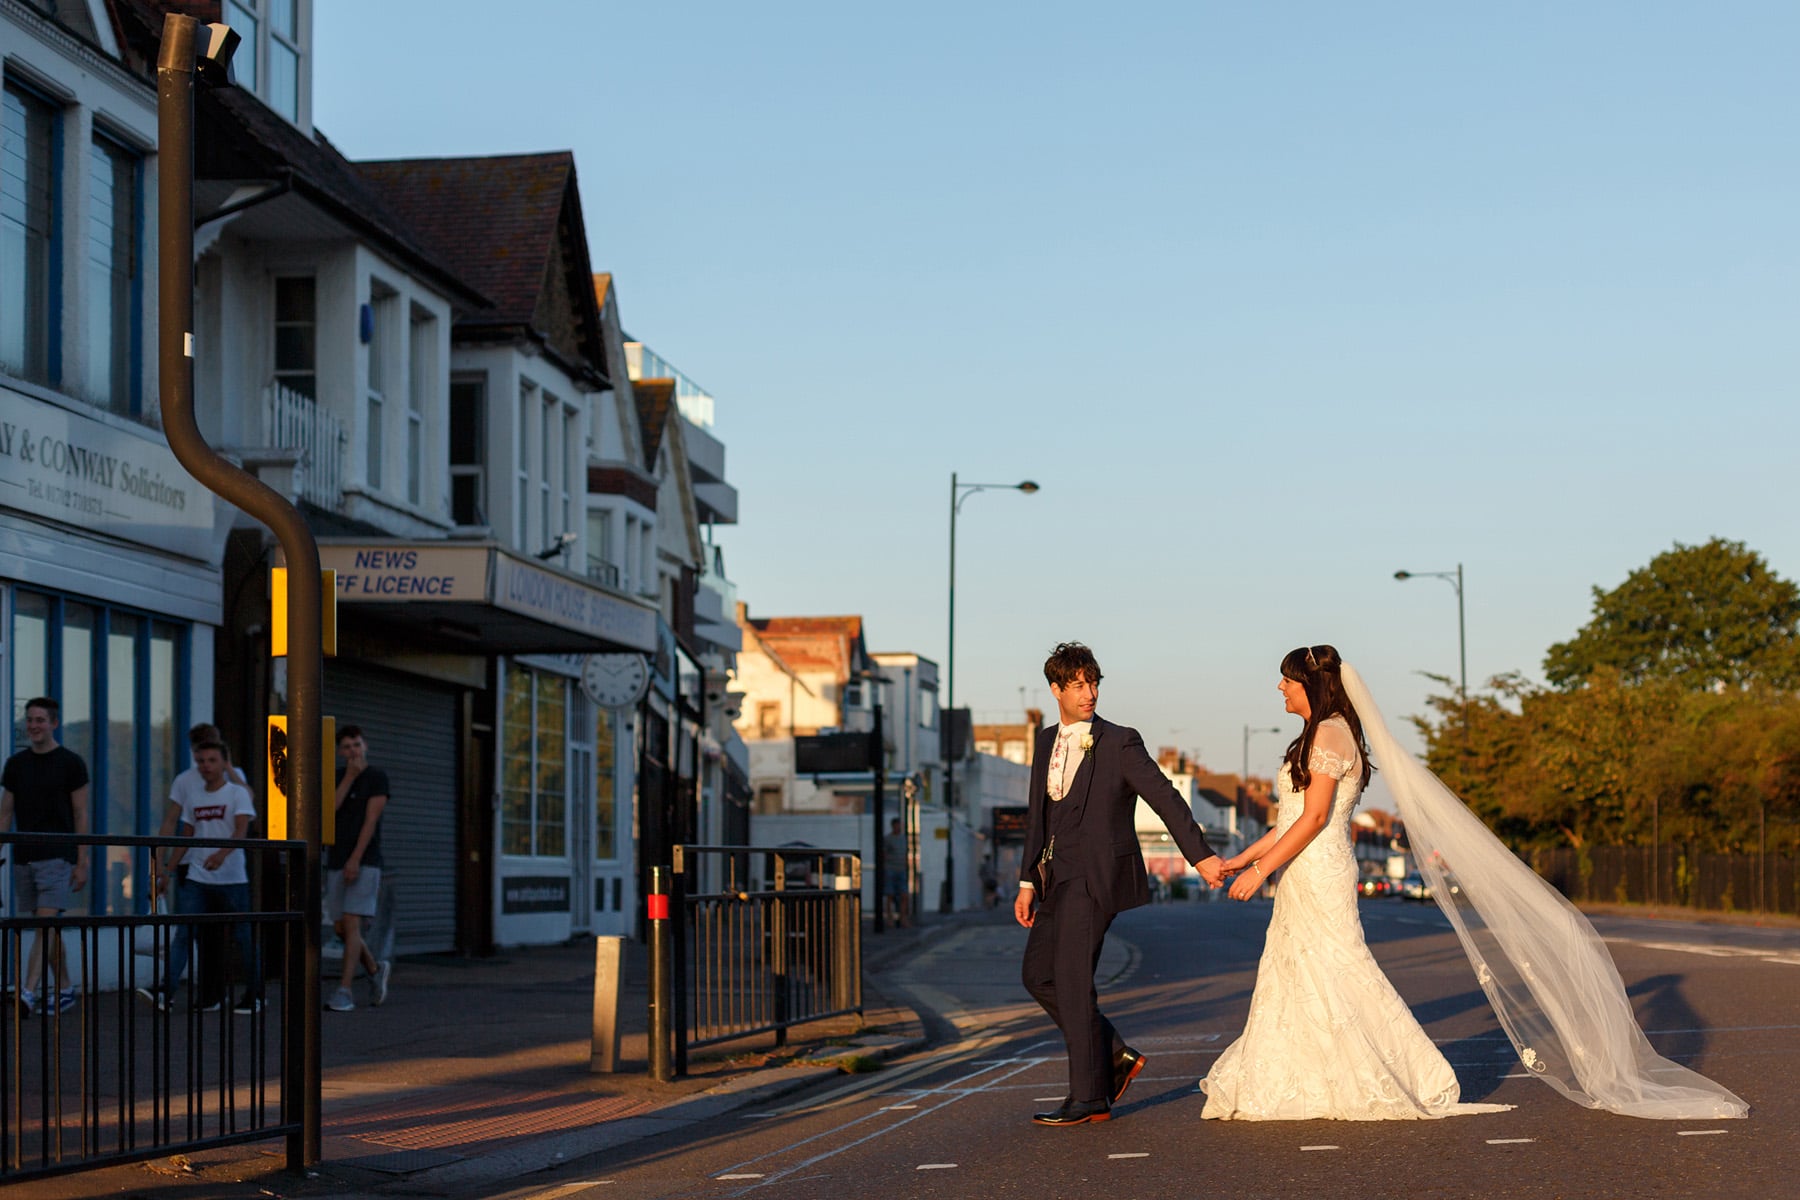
(1059, 760)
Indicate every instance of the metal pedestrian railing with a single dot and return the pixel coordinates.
(759, 939)
(126, 1067)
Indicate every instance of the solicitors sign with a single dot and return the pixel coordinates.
(68, 467)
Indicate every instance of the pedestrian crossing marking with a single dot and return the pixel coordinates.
(1510, 1141)
(1699, 1132)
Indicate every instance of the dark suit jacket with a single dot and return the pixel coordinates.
(1105, 792)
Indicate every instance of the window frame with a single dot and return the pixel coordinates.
(123, 390)
(44, 340)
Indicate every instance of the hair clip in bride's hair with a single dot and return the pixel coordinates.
(1311, 662)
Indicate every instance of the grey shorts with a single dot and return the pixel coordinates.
(353, 899)
(46, 883)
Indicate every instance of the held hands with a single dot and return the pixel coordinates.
(1212, 870)
(1247, 884)
(1024, 905)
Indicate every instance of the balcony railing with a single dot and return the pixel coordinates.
(297, 422)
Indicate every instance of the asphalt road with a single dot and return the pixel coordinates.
(954, 1121)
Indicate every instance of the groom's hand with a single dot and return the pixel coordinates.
(1212, 870)
(1023, 903)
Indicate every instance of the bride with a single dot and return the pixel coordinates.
(1328, 1036)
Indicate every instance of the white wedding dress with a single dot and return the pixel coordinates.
(1328, 1036)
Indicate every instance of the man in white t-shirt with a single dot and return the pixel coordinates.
(205, 804)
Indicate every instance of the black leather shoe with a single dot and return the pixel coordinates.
(1125, 1069)
(1072, 1113)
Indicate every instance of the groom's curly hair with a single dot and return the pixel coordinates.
(1071, 661)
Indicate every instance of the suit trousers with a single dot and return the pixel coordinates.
(1061, 955)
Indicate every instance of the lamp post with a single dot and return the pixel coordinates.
(958, 493)
(1455, 580)
(1247, 732)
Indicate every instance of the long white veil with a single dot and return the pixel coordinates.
(1547, 973)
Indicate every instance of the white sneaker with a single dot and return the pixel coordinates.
(382, 972)
(341, 1001)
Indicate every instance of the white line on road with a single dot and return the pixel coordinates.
(1321, 1147)
(898, 1107)
(1131, 1154)
(1699, 1132)
(1045, 1099)
(1518, 1075)
(741, 1175)
(1510, 1141)
(935, 1167)
(566, 1189)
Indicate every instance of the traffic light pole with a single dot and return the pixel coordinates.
(176, 69)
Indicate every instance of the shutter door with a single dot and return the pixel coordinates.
(410, 724)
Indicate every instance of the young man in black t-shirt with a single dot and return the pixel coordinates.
(353, 867)
(46, 791)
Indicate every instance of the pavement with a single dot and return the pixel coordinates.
(476, 1072)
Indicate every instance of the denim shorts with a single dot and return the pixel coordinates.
(46, 883)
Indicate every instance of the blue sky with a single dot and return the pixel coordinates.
(1272, 300)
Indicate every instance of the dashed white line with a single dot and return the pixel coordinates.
(898, 1107)
(935, 1167)
(1700, 1132)
(741, 1175)
(1510, 1141)
(1131, 1154)
(1321, 1147)
(1045, 1099)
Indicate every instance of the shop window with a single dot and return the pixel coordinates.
(534, 773)
(119, 678)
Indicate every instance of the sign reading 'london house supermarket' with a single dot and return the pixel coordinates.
(68, 467)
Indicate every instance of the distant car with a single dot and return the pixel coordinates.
(1414, 887)
(1374, 885)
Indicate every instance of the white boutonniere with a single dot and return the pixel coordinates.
(1087, 741)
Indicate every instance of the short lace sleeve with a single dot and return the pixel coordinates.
(1334, 750)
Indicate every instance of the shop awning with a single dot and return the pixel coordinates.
(478, 598)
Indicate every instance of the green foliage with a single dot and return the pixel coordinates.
(1673, 718)
(1706, 616)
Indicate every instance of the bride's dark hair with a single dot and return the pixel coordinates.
(1318, 669)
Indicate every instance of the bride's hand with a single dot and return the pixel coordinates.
(1244, 887)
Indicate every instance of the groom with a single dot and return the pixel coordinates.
(1082, 867)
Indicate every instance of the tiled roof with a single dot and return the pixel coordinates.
(813, 643)
(504, 221)
(240, 138)
(655, 397)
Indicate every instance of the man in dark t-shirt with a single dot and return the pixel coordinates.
(46, 791)
(353, 867)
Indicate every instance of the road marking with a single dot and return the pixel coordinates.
(740, 1175)
(1045, 1099)
(1518, 1075)
(1321, 1147)
(898, 1107)
(566, 1189)
(1509, 1141)
(1146, 1153)
(935, 1167)
(1699, 1132)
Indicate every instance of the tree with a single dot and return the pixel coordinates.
(1705, 617)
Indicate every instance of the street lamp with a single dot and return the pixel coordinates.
(1247, 732)
(958, 493)
(1455, 580)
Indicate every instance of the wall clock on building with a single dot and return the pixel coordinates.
(615, 680)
